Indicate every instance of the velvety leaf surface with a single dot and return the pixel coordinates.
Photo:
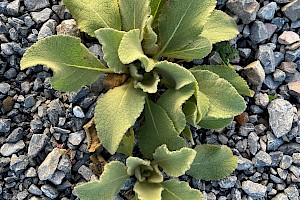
(73, 64)
(127, 143)
(215, 123)
(202, 102)
(181, 22)
(134, 14)
(187, 134)
(133, 163)
(156, 175)
(229, 74)
(174, 189)
(156, 7)
(149, 84)
(191, 113)
(110, 183)
(94, 14)
(225, 102)
(110, 40)
(147, 191)
(172, 101)
(219, 27)
(116, 112)
(176, 75)
(212, 162)
(174, 163)
(150, 38)
(131, 49)
(195, 50)
(159, 129)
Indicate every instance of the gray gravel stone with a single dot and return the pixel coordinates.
(15, 135)
(292, 55)
(286, 162)
(292, 10)
(36, 144)
(292, 192)
(76, 138)
(47, 29)
(280, 116)
(18, 164)
(36, 125)
(267, 12)
(85, 172)
(13, 8)
(255, 73)
(280, 196)
(78, 112)
(29, 101)
(244, 163)
(288, 37)
(41, 16)
(5, 125)
(261, 99)
(49, 191)
(49, 165)
(4, 87)
(296, 158)
(30, 173)
(33, 189)
(57, 177)
(279, 75)
(290, 148)
(8, 149)
(254, 189)
(266, 57)
(262, 159)
(252, 143)
(273, 142)
(33, 5)
(68, 27)
(228, 182)
(64, 164)
(258, 32)
(245, 9)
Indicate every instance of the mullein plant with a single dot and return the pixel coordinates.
(138, 37)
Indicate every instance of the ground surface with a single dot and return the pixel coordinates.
(37, 121)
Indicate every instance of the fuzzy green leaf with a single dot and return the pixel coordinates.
(134, 163)
(110, 40)
(134, 14)
(219, 27)
(130, 50)
(176, 75)
(191, 113)
(110, 183)
(150, 38)
(94, 14)
(156, 7)
(212, 162)
(195, 50)
(156, 175)
(181, 23)
(214, 123)
(225, 102)
(202, 102)
(73, 64)
(149, 84)
(229, 74)
(159, 129)
(174, 189)
(147, 191)
(182, 159)
(115, 113)
(127, 143)
(172, 101)
(187, 134)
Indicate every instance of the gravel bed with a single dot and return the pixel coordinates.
(37, 123)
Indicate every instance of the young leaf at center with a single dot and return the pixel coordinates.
(147, 191)
(116, 112)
